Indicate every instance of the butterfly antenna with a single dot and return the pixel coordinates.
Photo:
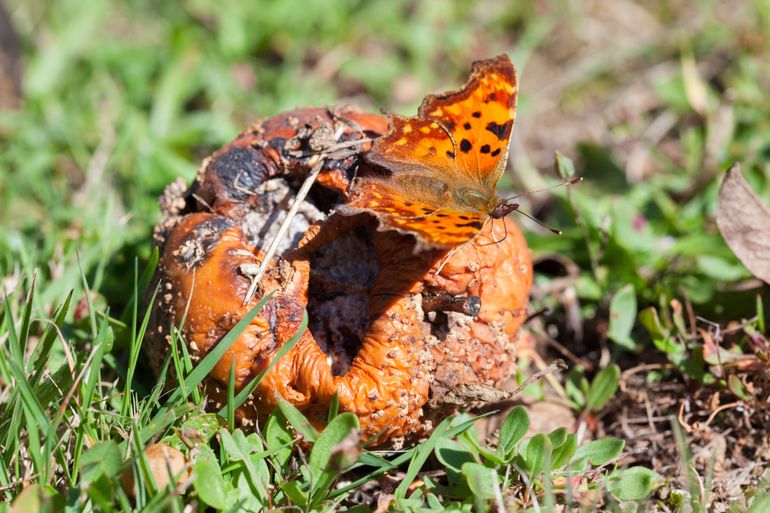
(572, 181)
(538, 221)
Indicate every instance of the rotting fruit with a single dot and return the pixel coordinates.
(402, 337)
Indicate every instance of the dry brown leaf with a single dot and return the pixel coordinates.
(32, 498)
(744, 221)
(164, 461)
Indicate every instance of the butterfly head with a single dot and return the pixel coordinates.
(502, 208)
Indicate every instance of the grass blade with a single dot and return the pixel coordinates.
(244, 394)
(49, 337)
(209, 361)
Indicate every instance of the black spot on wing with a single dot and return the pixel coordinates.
(467, 126)
(450, 154)
(465, 146)
(476, 114)
(472, 224)
(501, 131)
(496, 152)
(484, 149)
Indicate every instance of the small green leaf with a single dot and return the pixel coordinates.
(295, 493)
(482, 481)
(513, 429)
(102, 493)
(211, 487)
(538, 455)
(622, 316)
(297, 420)
(335, 432)
(453, 455)
(558, 436)
(735, 385)
(199, 429)
(278, 437)
(631, 484)
(603, 387)
(719, 268)
(600, 452)
(564, 167)
(576, 386)
(650, 319)
(562, 454)
(475, 447)
(239, 448)
(103, 459)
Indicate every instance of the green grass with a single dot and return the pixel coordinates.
(121, 98)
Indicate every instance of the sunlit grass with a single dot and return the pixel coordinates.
(121, 98)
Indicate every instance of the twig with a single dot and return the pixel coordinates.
(333, 152)
(565, 351)
(203, 202)
(720, 409)
(446, 259)
(547, 372)
(273, 247)
(624, 377)
(680, 418)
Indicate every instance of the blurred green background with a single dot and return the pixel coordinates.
(652, 99)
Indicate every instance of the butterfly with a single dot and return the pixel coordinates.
(434, 175)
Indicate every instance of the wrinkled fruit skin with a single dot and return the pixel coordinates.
(371, 340)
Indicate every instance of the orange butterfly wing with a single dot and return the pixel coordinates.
(458, 142)
(432, 223)
(480, 118)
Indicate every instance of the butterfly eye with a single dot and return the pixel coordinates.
(472, 198)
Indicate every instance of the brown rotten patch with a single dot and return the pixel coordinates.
(394, 333)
